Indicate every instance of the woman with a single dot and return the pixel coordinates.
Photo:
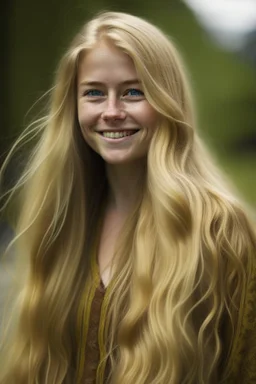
(140, 264)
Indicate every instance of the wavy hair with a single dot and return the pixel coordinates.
(180, 264)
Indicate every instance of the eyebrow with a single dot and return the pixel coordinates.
(100, 84)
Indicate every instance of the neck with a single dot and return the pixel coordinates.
(125, 184)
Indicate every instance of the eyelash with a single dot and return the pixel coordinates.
(136, 90)
(87, 93)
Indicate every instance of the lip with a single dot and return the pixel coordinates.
(121, 139)
(118, 130)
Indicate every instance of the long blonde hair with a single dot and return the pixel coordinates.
(180, 263)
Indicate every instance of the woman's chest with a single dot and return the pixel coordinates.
(108, 238)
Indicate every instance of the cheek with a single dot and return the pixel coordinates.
(87, 115)
(85, 132)
(85, 120)
(150, 117)
(144, 113)
(90, 139)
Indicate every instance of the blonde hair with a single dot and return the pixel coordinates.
(180, 263)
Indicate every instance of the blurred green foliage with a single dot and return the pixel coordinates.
(224, 85)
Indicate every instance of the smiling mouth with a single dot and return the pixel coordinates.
(118, 134)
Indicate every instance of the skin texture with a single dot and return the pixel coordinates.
(113, 104)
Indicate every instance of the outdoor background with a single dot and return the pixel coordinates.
(35, 35)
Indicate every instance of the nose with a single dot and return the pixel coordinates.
(113, 111)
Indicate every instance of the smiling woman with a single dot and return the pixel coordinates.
(111, 102)
(137, 261)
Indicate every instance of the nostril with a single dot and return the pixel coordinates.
(113, 116)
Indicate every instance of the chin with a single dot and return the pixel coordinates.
(116, 160)
(119, 158)
(122, 157)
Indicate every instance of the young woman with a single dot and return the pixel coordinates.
(138, 263)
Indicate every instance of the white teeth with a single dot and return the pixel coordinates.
(116, 135)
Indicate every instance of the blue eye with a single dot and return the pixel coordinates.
(93, 93)
(134, 92)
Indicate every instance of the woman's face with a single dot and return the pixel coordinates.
(115, 118)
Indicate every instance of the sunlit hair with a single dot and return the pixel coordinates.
(180, 263)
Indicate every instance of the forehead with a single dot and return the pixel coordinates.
(106, 63)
